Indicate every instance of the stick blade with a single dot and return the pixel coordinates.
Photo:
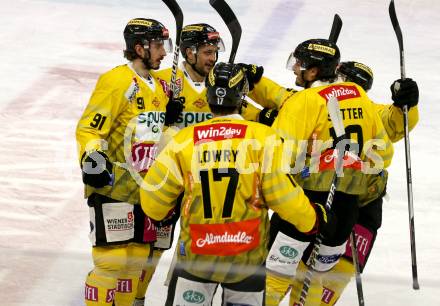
(336, 28)
(177, 13)
(395, 22)
(231, 22)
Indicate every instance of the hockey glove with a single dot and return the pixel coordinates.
(405, 92)
(267, 116)
(174, 109)
(326, 221)
(253, 73)
(96, 169)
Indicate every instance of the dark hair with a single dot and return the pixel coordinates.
(130, 55)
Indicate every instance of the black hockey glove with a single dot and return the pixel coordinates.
(405, 92)
(253, 73)
(327, 221)
(96, 169)
(174, 109)
(267, 116)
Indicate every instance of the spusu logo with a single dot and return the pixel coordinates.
(341, 92)
(219, 131)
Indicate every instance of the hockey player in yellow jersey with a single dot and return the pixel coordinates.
(271, 96)
(117, 136)
(230, 173)
(370, 213)
(303, 123)
(199, 45)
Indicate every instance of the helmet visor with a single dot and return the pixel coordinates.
(217, 43)
(292, 61)
(167, 43)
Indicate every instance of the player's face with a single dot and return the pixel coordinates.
(157, 53)
(206, 58)
(304, 77)
(298, 71)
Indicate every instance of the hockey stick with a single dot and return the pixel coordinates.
(335, 116)
(355, 256)
(333, 37)
(336, 29)
(232, 23)
(398, 31)
(178, 16)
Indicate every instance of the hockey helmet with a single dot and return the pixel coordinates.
(142, 31)
(357, 73)
(195, 35)
(226, 85)
(320, 53)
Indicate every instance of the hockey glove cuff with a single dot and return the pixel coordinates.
(405, 92)
(174, 109)
(326, 221)
(267, 116)
(253, 73)
(96, 169)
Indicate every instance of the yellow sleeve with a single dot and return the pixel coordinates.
(385, 152)
(392, 119)
(269, 94)
(249, 111)
(299, 117)
(162, 184)
(97, 119)
(284, 196)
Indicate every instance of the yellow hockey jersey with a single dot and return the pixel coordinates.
(124, 118)
(229, 171)
(196, 106)
(392, 119)
(268, 94)
(304, 122)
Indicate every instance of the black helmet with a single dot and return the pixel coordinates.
(320, 53)
(194, 35)
(142, 31)
(357, 73)
(226, 85)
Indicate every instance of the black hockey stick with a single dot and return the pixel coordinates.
(340, 144)
(398, 31)
(232, 23)
(336, 29)
(178, 16)
(334, 35)
(355, 256)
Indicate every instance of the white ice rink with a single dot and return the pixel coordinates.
(52, 53)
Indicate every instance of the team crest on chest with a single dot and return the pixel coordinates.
(155, 102)
(200, 103)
